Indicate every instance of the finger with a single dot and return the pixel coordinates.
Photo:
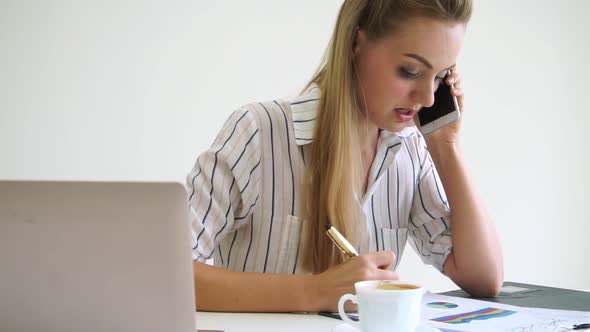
(387, 275)
(457, 92)
(454, 79)
(382, 259)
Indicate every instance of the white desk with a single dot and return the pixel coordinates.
(262, 322)
(255, 322)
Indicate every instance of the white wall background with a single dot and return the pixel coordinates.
(135, 90)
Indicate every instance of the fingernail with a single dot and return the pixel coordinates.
(451, 80)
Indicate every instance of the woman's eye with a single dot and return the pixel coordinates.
(407, 73)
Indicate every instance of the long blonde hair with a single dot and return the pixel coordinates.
(332, 183)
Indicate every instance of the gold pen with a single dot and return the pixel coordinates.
(340, 241)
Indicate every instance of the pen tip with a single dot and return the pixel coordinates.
(328, 225)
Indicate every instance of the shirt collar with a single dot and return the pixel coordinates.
(304, 111)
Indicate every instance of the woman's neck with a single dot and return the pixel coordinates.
(369, 141)
(368, 151)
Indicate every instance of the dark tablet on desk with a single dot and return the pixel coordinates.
(535, 296)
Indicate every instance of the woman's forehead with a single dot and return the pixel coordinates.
(437, 41)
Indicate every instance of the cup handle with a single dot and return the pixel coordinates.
(342, 313)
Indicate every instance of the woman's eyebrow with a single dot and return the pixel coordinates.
(424, 61)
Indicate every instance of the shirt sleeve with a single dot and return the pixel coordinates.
(430, 226)
(223, 186)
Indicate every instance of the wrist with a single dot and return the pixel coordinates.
(440, 151)
(312, 293)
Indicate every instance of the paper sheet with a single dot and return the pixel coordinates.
(455, 314)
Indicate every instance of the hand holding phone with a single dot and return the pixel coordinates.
(444, 111)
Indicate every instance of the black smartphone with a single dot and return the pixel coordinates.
(444, 111)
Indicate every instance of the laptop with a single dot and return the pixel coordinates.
(82, 256)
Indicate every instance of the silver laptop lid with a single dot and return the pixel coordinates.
(95, 257)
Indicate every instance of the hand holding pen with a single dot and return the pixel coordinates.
(339, 279)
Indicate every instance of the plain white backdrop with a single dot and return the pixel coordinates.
(135, 90)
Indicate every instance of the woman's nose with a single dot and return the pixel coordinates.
(424, 94)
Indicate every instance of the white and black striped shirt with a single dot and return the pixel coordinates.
(244, 197)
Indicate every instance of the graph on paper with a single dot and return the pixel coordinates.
(441, 305)
(454, 314)
(482, 314)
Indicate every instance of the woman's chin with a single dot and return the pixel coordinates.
(397, 127)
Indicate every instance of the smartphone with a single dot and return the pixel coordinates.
(444, 111)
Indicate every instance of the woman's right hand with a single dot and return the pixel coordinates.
(338, 280)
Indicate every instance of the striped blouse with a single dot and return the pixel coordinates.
(244, 199)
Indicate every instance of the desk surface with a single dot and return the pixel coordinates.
(263, 322)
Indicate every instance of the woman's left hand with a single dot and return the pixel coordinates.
(450, 133)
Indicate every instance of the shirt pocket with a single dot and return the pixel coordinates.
(289, 245)
(394, 239)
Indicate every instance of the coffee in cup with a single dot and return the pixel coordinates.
(391, 285)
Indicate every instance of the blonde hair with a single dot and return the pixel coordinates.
(332, 185)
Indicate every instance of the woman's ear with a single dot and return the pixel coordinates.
(357, 41)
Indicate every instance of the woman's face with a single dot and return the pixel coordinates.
(400, 72)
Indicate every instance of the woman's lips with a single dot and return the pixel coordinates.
(405, 114)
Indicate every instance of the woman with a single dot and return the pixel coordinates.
(344, 152)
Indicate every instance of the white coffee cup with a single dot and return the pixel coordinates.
(385, 305)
